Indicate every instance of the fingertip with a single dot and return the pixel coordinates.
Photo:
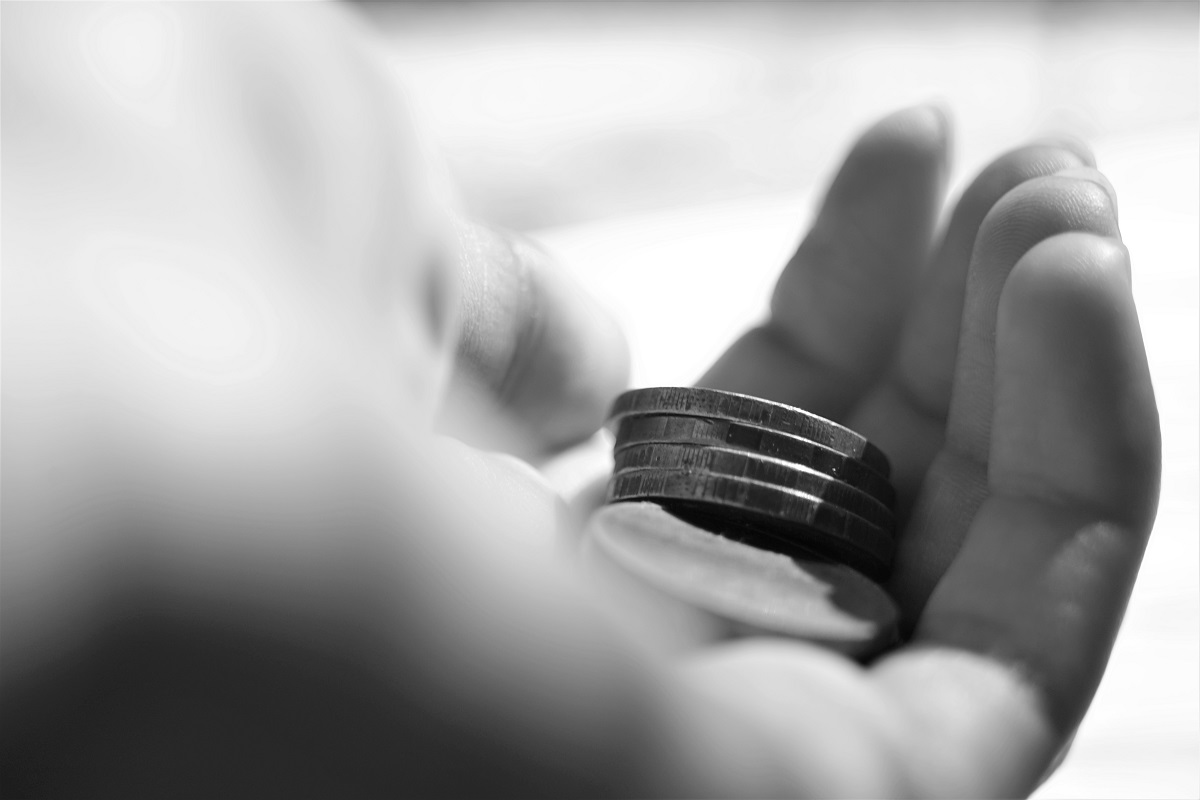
(1044, 207)
(997, 179)
(922, 131)
(1074, 269)
(906, 150)
(1070, 143)
(926, 122)
(1074, 281)
(1088, 173)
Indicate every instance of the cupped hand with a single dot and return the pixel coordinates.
(998, 364)
(265, 573)
(1005, 376)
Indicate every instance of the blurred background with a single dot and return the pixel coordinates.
(671, 154)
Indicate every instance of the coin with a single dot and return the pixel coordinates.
(762, 514)
(761, 591)
(714, 404)
(636, 429)
(740, 464)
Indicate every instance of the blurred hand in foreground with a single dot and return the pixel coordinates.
(238, 561)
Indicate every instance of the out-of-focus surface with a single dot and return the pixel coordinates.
(557, 113)
(672, 155)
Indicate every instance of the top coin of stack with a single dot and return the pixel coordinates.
(769, 475)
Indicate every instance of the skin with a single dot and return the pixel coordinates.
(247, 565)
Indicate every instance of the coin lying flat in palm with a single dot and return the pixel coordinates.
(758, 591)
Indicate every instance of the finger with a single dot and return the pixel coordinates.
(905, 413)
(839, 301)
(1030, 213)
(1046, 569)
(533, 347)
(956, 482)
(1041, 583)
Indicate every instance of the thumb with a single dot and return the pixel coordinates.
(538, 360)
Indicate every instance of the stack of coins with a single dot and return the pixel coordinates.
(765, 474)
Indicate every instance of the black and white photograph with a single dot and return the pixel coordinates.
(600, 399)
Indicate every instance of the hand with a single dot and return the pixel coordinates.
(1006, 378)
(253, 569)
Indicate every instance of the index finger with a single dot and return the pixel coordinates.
(840, 300)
